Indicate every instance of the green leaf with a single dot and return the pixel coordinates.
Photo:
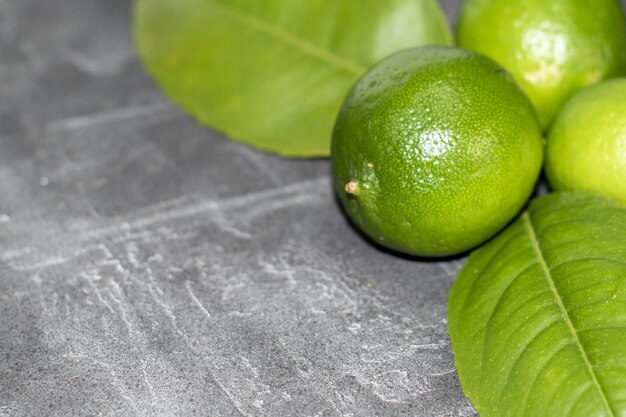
(273, 73)
(537, 317)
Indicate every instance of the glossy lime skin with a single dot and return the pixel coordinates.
(444, 149)
(553, 48)
(586, 148)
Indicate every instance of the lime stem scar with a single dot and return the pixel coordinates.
(352, 188)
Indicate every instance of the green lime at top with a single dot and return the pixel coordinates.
(552, 47)
(435, 150)
(586, 148)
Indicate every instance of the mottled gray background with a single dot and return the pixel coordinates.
(149, 266)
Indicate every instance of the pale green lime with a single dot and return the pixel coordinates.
(586, 147)
(552, 47)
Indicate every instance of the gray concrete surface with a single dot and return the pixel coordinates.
(151, 267)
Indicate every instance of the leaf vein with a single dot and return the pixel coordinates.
(532, 235)
(525, 303)
(583, 389)
(283, 36)
(589, 329)
(590, 258)
(499, 302)
(508, 380)
(545, 365)
(478, 274)
(593, 285)
(598, 302)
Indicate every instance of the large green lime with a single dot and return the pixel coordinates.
(552, 47)
(435, 150)
(586, 147)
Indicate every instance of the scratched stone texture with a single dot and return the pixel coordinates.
(151, 267)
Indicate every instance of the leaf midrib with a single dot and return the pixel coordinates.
(252, 21)
(532, 235)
